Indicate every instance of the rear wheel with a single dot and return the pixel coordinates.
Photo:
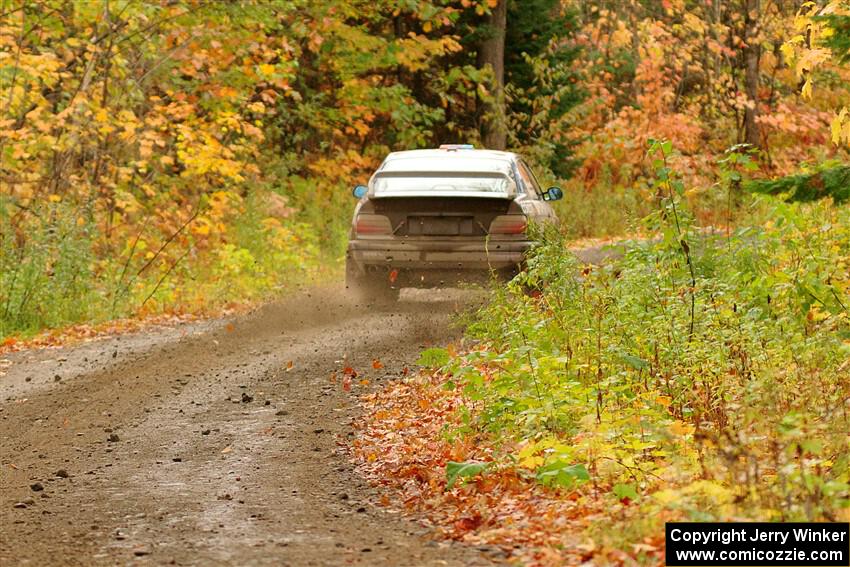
(384, 293)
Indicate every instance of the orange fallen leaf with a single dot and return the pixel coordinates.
(289, 366)
(346, 383)
(377, 364)
(226, 449)
(468, 523)
(230, 327)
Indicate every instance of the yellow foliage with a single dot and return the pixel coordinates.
(681, 429)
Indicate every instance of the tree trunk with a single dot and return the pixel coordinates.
(752, 54)
(492, 52)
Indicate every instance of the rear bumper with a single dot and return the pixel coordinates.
(418, 261)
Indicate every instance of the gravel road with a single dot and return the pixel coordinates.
(219, 443)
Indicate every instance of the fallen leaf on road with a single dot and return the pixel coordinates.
(468, 523)
(226, 449)
(377, 364)
(83, 332)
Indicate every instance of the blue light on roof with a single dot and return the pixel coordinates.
(457, 147)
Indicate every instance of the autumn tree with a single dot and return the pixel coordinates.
(819, 51)
(539, 83)
(836, 18)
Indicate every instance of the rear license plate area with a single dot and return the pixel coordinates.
(439, 226)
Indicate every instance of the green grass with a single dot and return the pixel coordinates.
(601, 211)
(58, 268)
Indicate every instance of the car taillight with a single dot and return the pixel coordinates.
(509, 224)
(372, 224)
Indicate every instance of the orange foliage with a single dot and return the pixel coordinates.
(401, 444)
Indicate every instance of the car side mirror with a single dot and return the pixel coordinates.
(553, 194)
(360, 191)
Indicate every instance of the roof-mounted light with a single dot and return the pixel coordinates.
(455, 147)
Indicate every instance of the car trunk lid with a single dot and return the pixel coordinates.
(443, 216)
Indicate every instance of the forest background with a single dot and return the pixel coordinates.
(184, 156)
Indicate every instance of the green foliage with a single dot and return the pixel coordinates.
(623, 491)
(699, 374)
(839, 39)
(543, 83)
(59, 276)
(603, 211)
(433, 358)
(561, 474)
(45, 280)
(827, 181)
(457, 471)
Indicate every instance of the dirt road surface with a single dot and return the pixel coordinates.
(219, 443)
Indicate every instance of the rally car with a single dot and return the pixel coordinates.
(432, 218)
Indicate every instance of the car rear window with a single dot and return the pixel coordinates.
(447, 183)
(454, 162)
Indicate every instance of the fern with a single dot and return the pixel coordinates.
(831, 182)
